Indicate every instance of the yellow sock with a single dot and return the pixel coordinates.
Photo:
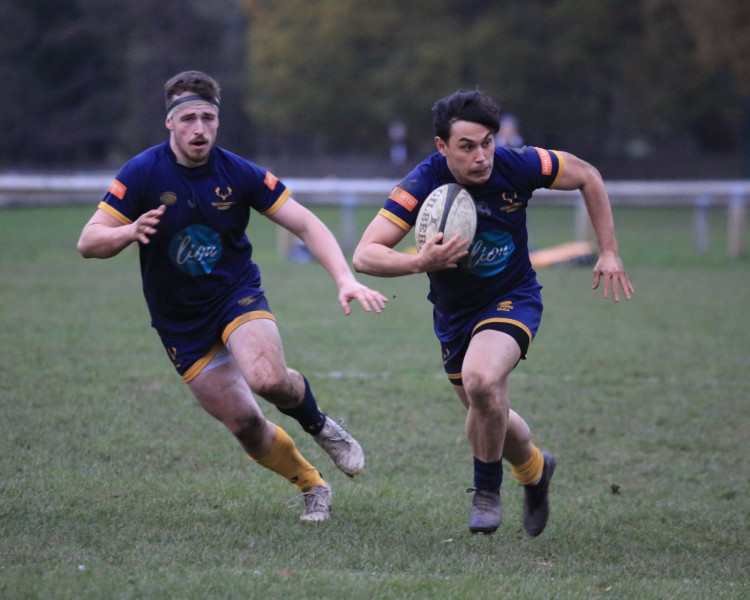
(530, 471)
(284, 458)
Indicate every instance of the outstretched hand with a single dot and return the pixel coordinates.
(610, 272)
(145, 225)
(371, 300)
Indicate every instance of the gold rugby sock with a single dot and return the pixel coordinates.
(284, 458)
(530, 472)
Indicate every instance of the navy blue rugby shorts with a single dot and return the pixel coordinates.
(517, 313)
(193, 350)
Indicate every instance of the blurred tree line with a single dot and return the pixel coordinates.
(84, 80)
(627, 81)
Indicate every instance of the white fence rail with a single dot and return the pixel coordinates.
(349, 194)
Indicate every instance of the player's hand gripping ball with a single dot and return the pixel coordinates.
(448, 209)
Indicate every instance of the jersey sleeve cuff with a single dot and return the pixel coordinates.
(113, 212)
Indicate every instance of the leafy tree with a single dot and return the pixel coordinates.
(85, 79)
(720, 33)
(60, 83)
(604, 79)
(610, 77)
(179, 35)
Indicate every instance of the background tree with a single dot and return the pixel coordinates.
(84, 79)
(721, 34)
(615, 79)
(639, 86)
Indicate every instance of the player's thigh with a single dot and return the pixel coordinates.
(257, 349)
(490, 358)
(225, 395)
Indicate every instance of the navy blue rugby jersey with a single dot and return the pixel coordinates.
(200, 250)
(498, 258)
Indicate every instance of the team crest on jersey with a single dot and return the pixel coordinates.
(512, 203)
(168, 198)
(224, 204)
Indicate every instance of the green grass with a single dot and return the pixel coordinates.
(115, 484)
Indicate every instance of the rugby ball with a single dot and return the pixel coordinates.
(448, 209)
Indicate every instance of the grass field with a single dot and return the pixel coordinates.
(114, 483)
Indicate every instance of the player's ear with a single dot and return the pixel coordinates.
(168, 123)
(440, 143)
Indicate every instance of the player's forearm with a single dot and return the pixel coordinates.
(600, 214)
(326, 250)
(599, 209)
(380, 261)
(99, 241)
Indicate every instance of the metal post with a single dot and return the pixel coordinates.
(583, 228)
(736, 222)
(348, 223)
(700, 223)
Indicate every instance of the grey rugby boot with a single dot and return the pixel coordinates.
(343, 449)
(317, 504)
(536, 499)
(486, 510)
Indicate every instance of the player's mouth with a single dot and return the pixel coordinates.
(481, 172)
(199, 142)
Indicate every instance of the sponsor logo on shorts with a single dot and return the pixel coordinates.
(246, 301)
(505, 306)
(116, 188)
(172, 353)
(446, 354)
(404, 198)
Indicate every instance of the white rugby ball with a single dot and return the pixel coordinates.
(448, 209)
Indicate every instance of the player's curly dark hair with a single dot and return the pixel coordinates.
(474, 106)
(196, 82)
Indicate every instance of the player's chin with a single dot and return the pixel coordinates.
(199, 154)
(479, 177)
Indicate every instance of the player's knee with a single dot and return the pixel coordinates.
(276, 390)
(269, 381)
(251, 432)
(482, 389)
(248, 427)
